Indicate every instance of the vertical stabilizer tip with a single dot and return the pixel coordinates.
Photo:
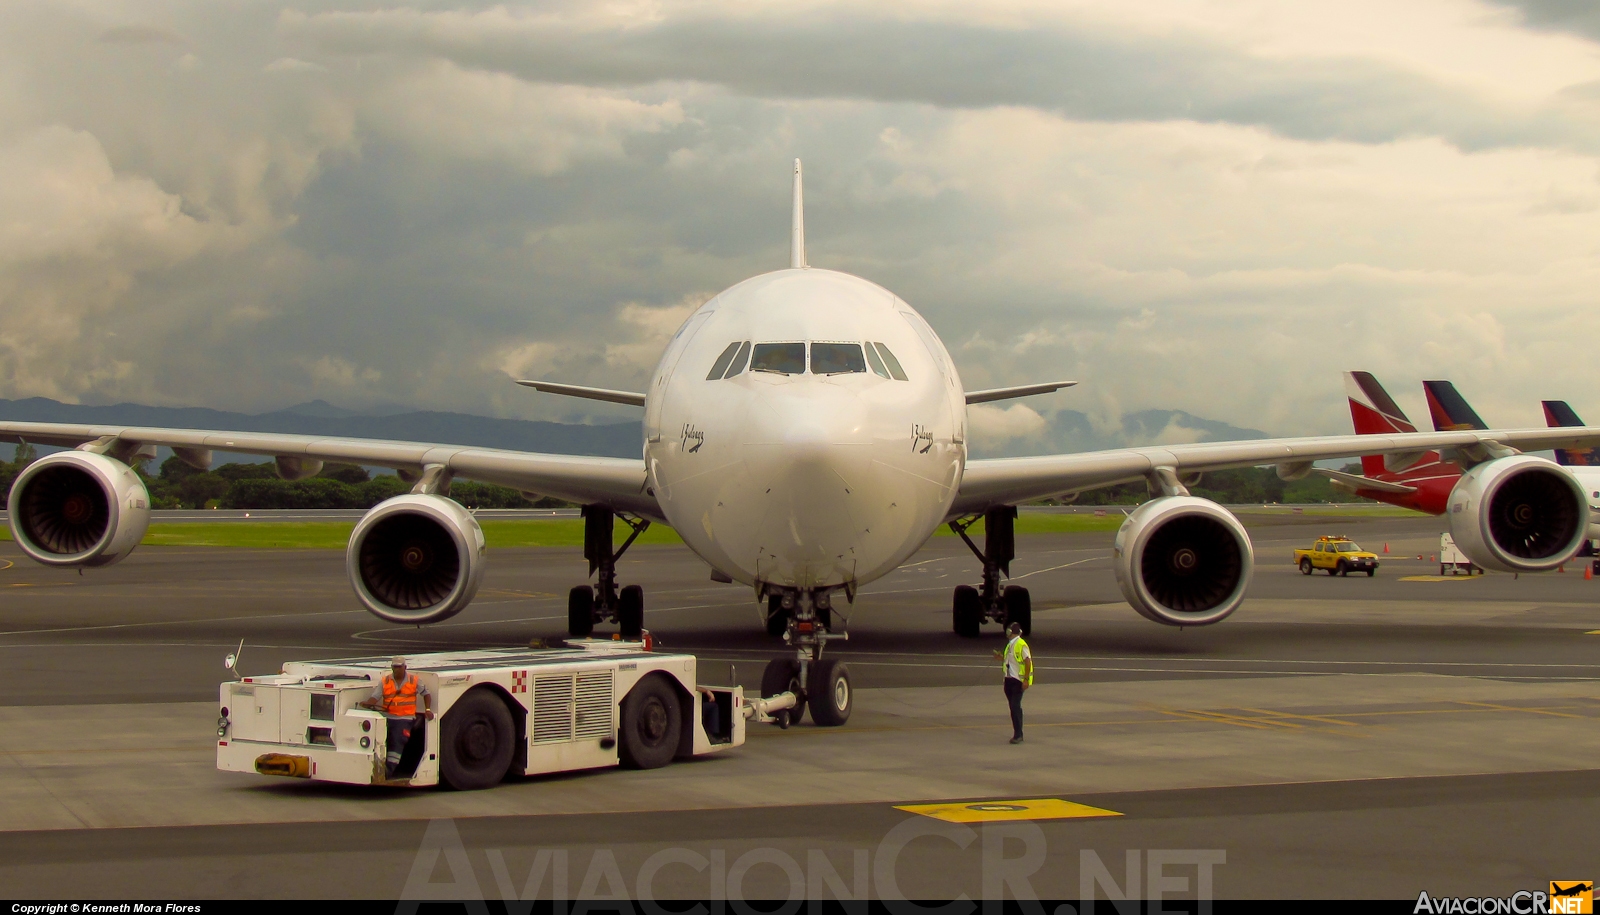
(797, 232)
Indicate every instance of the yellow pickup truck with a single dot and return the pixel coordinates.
(1338, 555)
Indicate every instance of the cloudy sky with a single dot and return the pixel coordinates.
(1207, 206)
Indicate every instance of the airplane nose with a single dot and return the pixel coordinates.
(807, 438)
(810, 456)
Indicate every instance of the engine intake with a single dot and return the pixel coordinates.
(1518, 514)
(416, 559)
(74, 508)
(1183, 561)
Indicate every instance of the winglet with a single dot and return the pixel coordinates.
(797, 232)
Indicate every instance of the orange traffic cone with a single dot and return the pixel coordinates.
(1588, 572)
(1561, 568)
(1419, 557)
(1432, 558)
(1386, 547)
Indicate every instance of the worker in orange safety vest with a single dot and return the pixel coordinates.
(396, 696)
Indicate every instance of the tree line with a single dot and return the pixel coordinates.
(256, 486)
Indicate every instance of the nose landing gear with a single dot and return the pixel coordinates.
(972, 607)
(822, 685)
(603, 602)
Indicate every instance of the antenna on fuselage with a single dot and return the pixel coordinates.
(797, 237)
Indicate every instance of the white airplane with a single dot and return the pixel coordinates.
(804, 432)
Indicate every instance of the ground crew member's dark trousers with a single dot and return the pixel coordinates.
(399, 734)
(1014, 699)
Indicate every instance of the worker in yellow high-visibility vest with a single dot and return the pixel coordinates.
(1018, 666)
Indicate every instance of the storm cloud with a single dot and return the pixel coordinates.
(1182, 206)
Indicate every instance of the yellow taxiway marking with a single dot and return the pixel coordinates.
(1518, 708)
(1593, 632)
(1441, 578)
(1043, 808)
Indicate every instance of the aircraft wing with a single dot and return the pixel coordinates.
(617, 482)
(1003, 481)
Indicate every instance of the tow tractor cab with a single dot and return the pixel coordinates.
(574, 705)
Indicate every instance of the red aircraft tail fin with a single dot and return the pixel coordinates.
(1373, 412)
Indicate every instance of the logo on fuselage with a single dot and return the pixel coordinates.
(692, 438)
(921, 438)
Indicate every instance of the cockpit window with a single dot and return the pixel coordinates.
(720, 367)
(782, 358)
(836, 358)
(889, 361)
(739, 360)
(876, 362)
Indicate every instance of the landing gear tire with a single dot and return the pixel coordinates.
(580, 612)
(831, 697)
(777, 618)
(477, 742)
(630, 612)
(1019, 608)
(783, 676)
(651, 725)
(1306, 567)
(966, 612)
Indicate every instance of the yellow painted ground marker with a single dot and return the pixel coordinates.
(1442, 578)
(1044, 808)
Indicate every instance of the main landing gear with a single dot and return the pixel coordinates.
(972, 607)
(804, 619)
(602, 602)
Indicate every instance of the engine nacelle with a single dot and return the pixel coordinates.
(1518, 514)
(1183, 561)
(416, 559)
(74, 508)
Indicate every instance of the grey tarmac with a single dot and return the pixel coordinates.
(1336, 737)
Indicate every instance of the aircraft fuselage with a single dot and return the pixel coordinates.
(827, 474)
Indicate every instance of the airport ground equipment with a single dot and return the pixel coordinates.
(1336, 556)
(581, 704)
(1452, 559)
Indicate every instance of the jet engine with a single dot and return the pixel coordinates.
(416, 559)
(1518, 514)
(1183, 561)
(75, 508)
